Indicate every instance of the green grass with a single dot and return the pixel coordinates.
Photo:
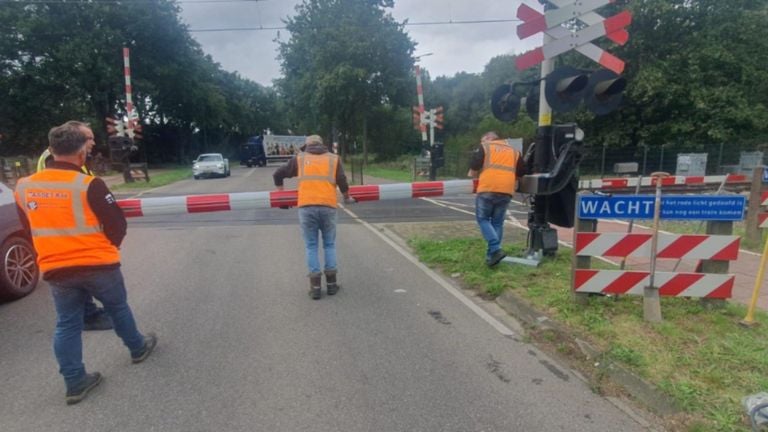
(157, 179)
(699, 356)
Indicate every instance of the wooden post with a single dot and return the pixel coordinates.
(753, 233)
(715, 266)
(651, 296)
(581, 262)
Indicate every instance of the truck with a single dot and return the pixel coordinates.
(260, 150)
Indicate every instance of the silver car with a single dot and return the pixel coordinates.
(210, 164)
(19, 273)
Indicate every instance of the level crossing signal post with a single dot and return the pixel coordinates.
(557, 150)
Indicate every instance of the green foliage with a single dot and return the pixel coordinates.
(699, 356)
(63, 60)
(166, 176)
(345, 60)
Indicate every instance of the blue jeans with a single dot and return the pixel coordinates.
(314, 220)
(490, 212)
(70, 295)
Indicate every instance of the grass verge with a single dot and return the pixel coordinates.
(699, 356)
(157, 179)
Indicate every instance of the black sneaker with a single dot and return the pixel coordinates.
(333, 289)
(496, 258)
(80, 391)
(98, 321)
(150, 341)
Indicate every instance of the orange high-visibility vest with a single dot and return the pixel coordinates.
(317, 179)
(65, 231)
(498, 174)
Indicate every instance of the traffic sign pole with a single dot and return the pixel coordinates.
(651, 301)
(538, 222)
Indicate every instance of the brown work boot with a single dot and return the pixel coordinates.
(330, 281)
(315, 283)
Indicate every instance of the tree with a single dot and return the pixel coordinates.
(344, 59)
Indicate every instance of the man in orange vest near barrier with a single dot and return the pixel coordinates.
(499, 166)
(77, 228)
(319, 172)
(95, 318)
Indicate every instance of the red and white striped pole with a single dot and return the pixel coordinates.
(128, 91)
(420, 94)
(132, 117)
(176, 205)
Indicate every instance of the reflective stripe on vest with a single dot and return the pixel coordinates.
(317, 181)
(487, 161)
(78, 208)
(499, 168)
(65, 230)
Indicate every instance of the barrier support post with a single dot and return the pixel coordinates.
(752, 225)
(716, 266)
(581, 262)
(651, 297)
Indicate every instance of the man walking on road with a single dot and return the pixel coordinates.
(94, 318)
(77, 228)
(319, 172)
(498, 165)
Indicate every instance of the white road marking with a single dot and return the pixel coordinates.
(501, 328)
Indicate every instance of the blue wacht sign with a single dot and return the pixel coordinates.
(673, 207)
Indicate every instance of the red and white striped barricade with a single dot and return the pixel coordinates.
(631, 182)
(762, 217)
(674, 246)
(176, 205)
(712, 251)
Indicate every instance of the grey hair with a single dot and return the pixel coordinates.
(67, 139)
(314, 139)
(489, 136)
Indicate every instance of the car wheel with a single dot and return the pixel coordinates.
(18, 268)
(196, 177)
(249, 164)
(228, 173)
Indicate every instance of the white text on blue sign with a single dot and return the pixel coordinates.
(679, 207)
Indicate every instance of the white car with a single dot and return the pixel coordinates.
(210, 164)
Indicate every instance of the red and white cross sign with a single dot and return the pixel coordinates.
(566, 40)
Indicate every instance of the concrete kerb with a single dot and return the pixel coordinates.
(644, 392)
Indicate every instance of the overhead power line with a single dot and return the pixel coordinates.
(121, 1)
(409, 24)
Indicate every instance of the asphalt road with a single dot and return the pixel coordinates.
(243, 348)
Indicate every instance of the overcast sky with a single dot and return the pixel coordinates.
(455, 47)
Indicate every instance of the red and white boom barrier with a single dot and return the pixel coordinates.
(630, 182)
(176, 205)
(675, 246)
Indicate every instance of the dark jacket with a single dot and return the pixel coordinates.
(104, 206)
(291, 169)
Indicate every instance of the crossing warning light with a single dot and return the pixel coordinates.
(565, 88)
(604, 91)
(505, 103)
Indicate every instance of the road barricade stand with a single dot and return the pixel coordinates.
(713, 250)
